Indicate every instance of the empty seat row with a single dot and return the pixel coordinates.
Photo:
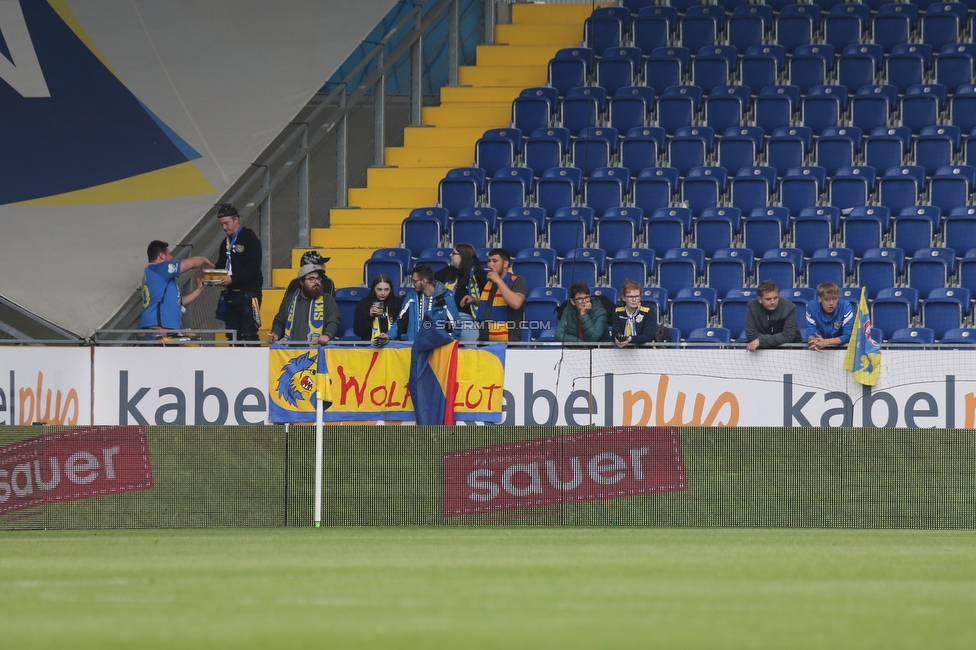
(792, 26)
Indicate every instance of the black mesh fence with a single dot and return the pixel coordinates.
(109, 477)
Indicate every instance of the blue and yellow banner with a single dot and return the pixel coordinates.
(373, 383)
(863, 354)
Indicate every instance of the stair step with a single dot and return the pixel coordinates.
(480, 94)
(357, 217)
(441, 136)
(548, 14)
(515, 54)
(394, 177)
(485, 115)
(522, 76)
(432, 156)
(528, 34)
(408, 197)
(352, 236)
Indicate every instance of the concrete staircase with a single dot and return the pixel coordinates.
(481, 101)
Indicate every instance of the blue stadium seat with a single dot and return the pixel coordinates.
(703, 187)
(781, 265)
(714, 66)
(678, 106)
(942, 24)
(618, 68)
(796, 25)
(614, 234)
(535, 108)
(654, 188)
(640, 148)
(775, 106)
(801, 187)
(726, 106)
(922, 105)
(901, 187)
(962, 110)
(851, 186)
(475, 226)
(810, 66)
(700, 26)
(558, 188)
(582, 265)
(603, 30)
(748, 25)
(752, 187)
(516, 233)
(629, 108)
(914, 336)
(811, 233)
(845, 23)
(872, 106)
(606, 188)
(886, 146)
(954, 65)
(893, 25)
(837, 146)
(680, 268)
(594, 148)
(729, 268)
(905, 67)
(829, 265)
(760, 66)
(461, 188)
(688, 314)
(823, 106)
(761, 233)
(418, 233)
(570, 68)
(951, 186)
(927, 273)
(347, 298)
(653, 27)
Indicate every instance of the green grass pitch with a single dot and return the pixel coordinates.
(488, 588)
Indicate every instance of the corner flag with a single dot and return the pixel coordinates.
(863, 354)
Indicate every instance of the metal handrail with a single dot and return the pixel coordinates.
(298, 143)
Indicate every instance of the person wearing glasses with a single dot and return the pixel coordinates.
(427, 298)
(584, 320)
(465, 280)
(309, 314)
(632, 322)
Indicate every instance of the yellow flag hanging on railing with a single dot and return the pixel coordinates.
(863, 354)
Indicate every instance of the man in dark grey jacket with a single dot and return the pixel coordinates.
(770, 321)
(309, 314)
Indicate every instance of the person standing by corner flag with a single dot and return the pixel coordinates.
(863, 354)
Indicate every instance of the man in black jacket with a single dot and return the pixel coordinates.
(240, 255)
(770, 321)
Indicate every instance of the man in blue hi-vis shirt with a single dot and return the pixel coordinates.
(162, 302)
(830, 320)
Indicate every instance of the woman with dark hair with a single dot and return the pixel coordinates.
(464, 279)
(376, 312)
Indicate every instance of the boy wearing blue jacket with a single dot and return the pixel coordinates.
(428, 297)
(830, 320)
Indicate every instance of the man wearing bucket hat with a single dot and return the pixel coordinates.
(308, 314)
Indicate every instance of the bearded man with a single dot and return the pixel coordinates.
(309, 314)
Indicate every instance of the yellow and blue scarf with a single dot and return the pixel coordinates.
(316, 316)
(495, 313)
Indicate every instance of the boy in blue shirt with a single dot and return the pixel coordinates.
(162, 302)
(830, 320)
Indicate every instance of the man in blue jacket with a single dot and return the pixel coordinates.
(428, 297)
(830, 320)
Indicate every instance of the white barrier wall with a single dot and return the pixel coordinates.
(197, 386)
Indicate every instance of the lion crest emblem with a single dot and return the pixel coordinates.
(297, 380)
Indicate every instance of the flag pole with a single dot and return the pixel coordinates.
(318, 458)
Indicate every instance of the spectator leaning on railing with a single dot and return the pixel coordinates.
(584, 319)
(770, 320)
